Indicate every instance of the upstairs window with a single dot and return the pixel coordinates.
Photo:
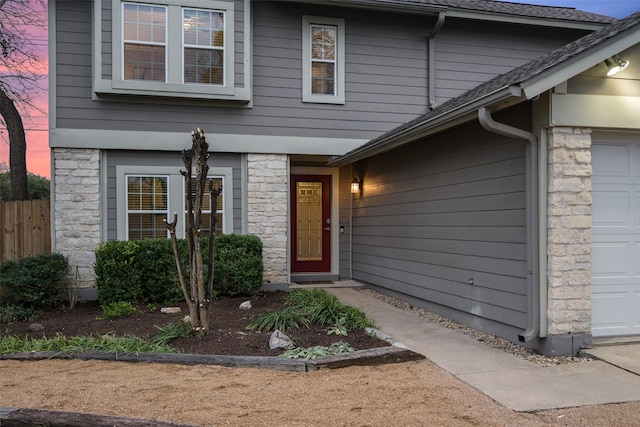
(323, 60)
(144, 42)
(203, 37)
(323, 68)
(181, 48)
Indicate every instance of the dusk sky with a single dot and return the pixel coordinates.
(38, 153)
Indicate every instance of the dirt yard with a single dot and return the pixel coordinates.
(404, 394)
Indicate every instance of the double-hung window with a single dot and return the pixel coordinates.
(181, 48)
(147, 206)
(323, 68)
(203, 41)
(144, 42)
(149, 195)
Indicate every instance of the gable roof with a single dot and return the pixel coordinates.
(517, 85)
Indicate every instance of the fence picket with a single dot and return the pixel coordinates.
(25, 229)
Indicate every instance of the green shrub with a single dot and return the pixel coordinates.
(238, 266)
(114, 310)
(306, 306)
(145, 271)
(33, 282)
(157, 272)
(117, 274)
(17, 313)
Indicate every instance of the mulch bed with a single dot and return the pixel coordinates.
(227, 336)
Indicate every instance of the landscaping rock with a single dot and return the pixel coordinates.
(245, 305)
(171, 310)
(280, 340)
(35, 327)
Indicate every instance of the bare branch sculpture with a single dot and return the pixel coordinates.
(197, 294)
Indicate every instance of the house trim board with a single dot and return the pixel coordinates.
(572, 67)
(178, 141)
(595, 111)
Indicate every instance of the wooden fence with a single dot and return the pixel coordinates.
(25, 229)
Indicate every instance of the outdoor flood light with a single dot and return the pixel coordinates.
(615, 65)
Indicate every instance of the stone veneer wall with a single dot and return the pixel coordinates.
(569, 232)
(77, 209)
(267, 211)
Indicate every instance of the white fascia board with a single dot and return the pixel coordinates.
(178, 141)
(595, 111)
(572, 67)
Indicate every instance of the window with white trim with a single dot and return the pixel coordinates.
(147, 195)
(203, 42)
(147, 206)
(172, 48)
(323, 68)
(144, 44)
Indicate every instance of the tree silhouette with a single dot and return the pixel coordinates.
(21, 69)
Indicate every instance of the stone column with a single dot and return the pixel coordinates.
(77, 209)
(569, 233)
(267, 211)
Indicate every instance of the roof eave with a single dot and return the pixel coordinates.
(418, 8)
(525, 20)
(498, 99)
(582, 62)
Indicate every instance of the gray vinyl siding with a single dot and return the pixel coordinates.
(439, 212)
(470, 53)
(344, 214)
(386, 73)
(138, 158)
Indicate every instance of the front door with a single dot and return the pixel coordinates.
(310, 223)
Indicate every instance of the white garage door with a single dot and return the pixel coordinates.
(616, 235)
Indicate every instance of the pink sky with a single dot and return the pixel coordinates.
(37, 125)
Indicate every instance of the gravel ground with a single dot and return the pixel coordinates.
(489, 339)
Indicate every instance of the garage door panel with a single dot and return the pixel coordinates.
(615, 258)
(610, 259)
(611, 160)
(609, 310)
(611, 208)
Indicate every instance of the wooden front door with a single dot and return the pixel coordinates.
(310, 223)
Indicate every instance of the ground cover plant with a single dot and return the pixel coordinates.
(228, 334)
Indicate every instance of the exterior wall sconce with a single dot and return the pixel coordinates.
(355, 186)
(615, 65)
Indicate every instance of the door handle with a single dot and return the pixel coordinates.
(327, 229)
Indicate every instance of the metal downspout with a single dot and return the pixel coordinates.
(533, 295)
(432, 60)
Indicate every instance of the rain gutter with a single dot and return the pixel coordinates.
(534, 286)
(432, 60)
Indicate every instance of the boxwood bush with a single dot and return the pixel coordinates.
(33, 283)
(145, 271)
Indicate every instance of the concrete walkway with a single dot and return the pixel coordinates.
(513, 382)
